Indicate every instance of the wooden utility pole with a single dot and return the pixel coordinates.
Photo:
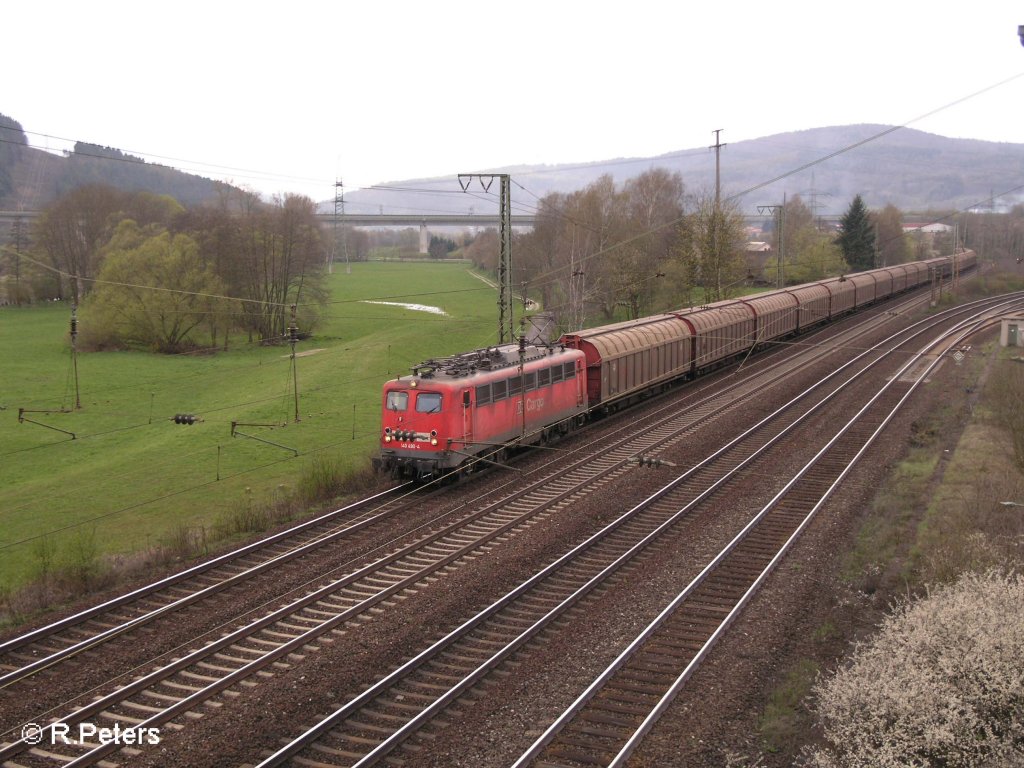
(74, 352)
(717, 146)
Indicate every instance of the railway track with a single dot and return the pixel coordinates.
(44, 649)
(168, 696)
(606, 723)
(389, 714)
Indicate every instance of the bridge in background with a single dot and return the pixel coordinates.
(327, 220)
(423, 221)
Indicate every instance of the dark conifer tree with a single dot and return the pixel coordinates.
(857, 237)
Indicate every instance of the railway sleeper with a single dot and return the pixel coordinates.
(174, 685)
(375, 711)
(657, 649)
(119, 718)
(629, 696)
(426, 699)
(204, 679)
(642, 678)
(431, 689)
(141, 707)
(368, 742)
(580, 751)
(607, 711)
(365, 733)
(163, 697)
(670, 637)
(346, 755)
(401, 706)
(465, 658)
(641, 689)
(443, 672)
(654, 667)
(603, 731)
(55, 756)
(241, 662)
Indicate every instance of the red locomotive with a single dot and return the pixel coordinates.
(453, 412)
(456, 410)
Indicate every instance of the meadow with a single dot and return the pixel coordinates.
(131, 478)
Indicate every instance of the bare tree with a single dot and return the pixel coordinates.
(268, 256)
(71, 231)
(893, 245)
(710, 247)
(285, 255)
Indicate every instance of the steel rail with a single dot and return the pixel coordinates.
(144, 591)
(375, 691)
(91, 709)
(49, 630)
(550, 734)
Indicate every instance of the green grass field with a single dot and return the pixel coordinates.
(132, 477)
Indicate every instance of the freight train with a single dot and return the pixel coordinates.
(461, 412)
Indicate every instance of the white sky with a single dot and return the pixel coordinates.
(290, 96)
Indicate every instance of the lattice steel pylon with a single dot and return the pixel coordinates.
(339, 210)
(505, 320)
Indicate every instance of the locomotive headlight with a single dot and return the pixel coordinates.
(433, 441)
(387, 438)
(433, 437)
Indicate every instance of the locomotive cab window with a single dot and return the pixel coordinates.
(397, 401)
(428, 402)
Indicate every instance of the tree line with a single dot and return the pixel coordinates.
(649, 245)
(608, 251)
(147, 272)
(150, 272)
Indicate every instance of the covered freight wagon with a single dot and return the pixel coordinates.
(842, 295)
(627, 358)
(720, 330)
(776, 313)
(814, 300)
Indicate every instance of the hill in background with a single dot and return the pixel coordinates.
(911, 169)
(31, 178)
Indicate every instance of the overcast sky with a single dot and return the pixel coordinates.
(291, 96)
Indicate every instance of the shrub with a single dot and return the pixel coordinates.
(321, 479)
(81, 569)
(942, 683)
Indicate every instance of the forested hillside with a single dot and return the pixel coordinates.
(31, 178)
(907, 168)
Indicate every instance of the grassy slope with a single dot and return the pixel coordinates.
(132, 476)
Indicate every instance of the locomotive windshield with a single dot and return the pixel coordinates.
(428, 402)
(397, 401)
